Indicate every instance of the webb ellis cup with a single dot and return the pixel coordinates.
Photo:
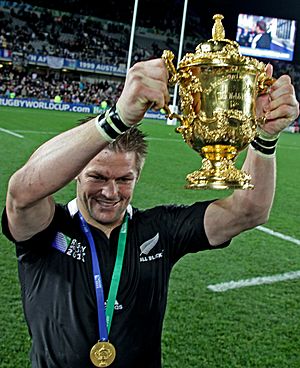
(218, 88)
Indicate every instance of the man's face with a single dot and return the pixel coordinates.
(105, 187)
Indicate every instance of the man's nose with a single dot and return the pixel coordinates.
(110, 189)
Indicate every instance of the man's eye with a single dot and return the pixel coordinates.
(124, 180)
(97, 177)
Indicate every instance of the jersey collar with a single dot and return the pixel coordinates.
(73, 209)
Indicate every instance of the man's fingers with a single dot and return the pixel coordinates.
(269, 70)
(153, 69)
(146, 86)
(286, 112)
(283, 102)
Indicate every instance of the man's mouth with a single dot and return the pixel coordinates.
(107, 204)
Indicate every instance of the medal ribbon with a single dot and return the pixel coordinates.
(105, 318)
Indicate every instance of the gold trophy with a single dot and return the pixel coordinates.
(218, 88)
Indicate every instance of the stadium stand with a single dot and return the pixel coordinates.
(46, 52)
(46, 87)
(35, 42)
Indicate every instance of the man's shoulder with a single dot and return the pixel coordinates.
(170, 213)
(63, 219)
(170, 208)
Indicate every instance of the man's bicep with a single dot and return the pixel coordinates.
(24, 223)
(222, 222)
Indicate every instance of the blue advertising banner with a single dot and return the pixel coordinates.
(50, 105)
(55, 62)
(64, 106)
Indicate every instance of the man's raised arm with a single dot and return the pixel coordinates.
(245, 209)
(29, 203)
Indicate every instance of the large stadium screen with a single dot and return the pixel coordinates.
(266, 37)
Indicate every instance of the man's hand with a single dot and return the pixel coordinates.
(146, 86)
(279, 106)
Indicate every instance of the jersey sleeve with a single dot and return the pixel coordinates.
(181, 228)
(41, 242)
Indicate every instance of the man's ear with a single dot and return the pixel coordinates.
(138, 176)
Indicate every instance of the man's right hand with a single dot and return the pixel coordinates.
(146, 86)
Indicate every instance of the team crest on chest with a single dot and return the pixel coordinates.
(146, 254)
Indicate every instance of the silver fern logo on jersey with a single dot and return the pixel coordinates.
(147, 247)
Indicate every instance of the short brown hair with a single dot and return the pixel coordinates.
(133, 140)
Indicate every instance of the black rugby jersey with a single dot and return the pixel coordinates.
(58, 291)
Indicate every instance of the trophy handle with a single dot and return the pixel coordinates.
(264, 83)
(174, 77)
(172, 115)
(168, 57)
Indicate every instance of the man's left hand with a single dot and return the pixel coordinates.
(279, 106)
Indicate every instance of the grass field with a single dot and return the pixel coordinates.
(255, 326)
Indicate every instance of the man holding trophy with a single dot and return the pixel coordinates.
(94, 273)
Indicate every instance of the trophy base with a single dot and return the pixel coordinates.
(218, 175)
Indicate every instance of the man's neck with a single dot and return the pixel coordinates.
(105, 228)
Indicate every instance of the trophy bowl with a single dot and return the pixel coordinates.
(218, 88)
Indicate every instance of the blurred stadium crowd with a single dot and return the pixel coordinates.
(26, 29)
(43, 32)
(20, 84)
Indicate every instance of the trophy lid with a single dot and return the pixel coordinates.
(218, 51)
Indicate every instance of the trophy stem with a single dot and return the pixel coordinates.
(218, 170)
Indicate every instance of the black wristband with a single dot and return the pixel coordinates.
(108, 128)
(265, 150)
(265, 143)
(110, 125)
(116, 120)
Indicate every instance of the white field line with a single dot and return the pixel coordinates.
(54, 133)
(11, 133)
(278, 235)
(261, 280)
(164, 139)
(36, 131)
(148, 138)
(254, 281)
(290, 148)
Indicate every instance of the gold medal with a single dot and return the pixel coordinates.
(102, 354)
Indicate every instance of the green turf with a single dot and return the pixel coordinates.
(255, 326)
